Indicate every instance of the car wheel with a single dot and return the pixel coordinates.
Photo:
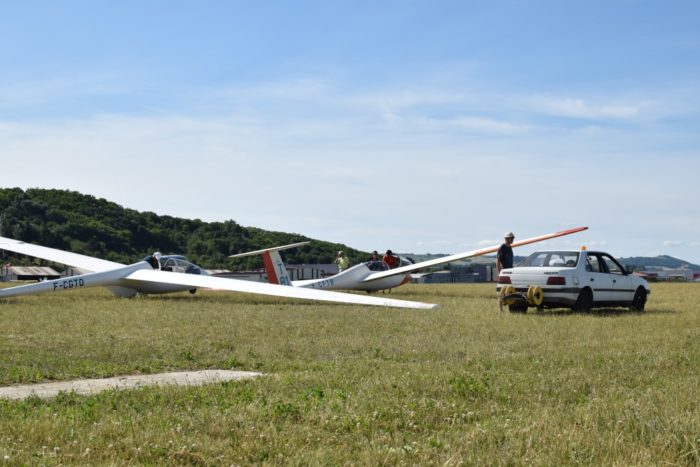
(584, 302)
(639, 300)
(517, 308)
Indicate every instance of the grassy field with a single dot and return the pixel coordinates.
(465, 384)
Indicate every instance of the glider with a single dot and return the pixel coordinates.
(164, 274)
(372, 275)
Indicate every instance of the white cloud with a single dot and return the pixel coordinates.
(473, 124)
(488, 125)
(672, 243)
(293, 90)
(403, 99)
(580, 108)
(487, 243)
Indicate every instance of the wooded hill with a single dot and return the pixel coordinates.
(83, 224)
(662, 261)
(80, 223)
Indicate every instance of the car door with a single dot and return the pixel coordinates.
(599, 279)
(623, 290)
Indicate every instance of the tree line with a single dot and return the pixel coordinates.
(92, 226)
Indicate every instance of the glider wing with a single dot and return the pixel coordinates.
(87, 263)
(467, 254)
(274, 248)
(236, 285)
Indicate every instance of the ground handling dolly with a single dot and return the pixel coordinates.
(519, 301)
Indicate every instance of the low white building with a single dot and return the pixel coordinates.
(27, 273)
(296, 272)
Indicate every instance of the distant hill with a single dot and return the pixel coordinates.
(634, 262)
(662, 261)
(80, 223)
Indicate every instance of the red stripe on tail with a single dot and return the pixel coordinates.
(270, 269)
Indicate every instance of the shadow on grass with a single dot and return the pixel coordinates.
(403, 292)
(191, 298)
(598, 312)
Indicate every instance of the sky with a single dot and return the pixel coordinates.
(417, 126)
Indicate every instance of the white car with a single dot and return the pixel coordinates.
(569, 278)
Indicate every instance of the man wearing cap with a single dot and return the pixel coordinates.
(504, 258)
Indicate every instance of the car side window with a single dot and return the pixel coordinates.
(612, 266)
(593, 264)
(571, 260)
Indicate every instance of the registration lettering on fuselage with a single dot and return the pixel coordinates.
(323, 284)
(68, 284)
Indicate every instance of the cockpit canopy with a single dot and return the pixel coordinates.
(173, 263)
(377, 265)
(380, 265)
(176, 263)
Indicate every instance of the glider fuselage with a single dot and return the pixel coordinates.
(354, 279)
(159, 274)
(169, 263)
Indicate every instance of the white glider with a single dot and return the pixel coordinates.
(163, 274)
(373, 275)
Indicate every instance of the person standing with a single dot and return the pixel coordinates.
(504, 258)
(342, 261)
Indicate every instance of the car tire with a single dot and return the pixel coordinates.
(584, 302)
(517, 308)
(639, 300)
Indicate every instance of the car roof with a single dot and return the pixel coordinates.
(557, 251)
(570, 251)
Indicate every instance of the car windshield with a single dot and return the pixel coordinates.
(565, 259)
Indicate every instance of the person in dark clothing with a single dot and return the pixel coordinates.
(504, 258)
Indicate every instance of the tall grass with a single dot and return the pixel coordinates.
(350, 384)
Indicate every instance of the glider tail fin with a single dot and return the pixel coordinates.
(275, 269)
(274, 266)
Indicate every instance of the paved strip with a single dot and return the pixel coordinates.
(93, 386)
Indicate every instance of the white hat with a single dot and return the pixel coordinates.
(509, 235)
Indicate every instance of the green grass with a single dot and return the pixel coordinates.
(355, 385)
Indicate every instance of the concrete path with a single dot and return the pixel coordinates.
(93, 386)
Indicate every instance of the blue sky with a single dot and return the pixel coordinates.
(417, 126)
